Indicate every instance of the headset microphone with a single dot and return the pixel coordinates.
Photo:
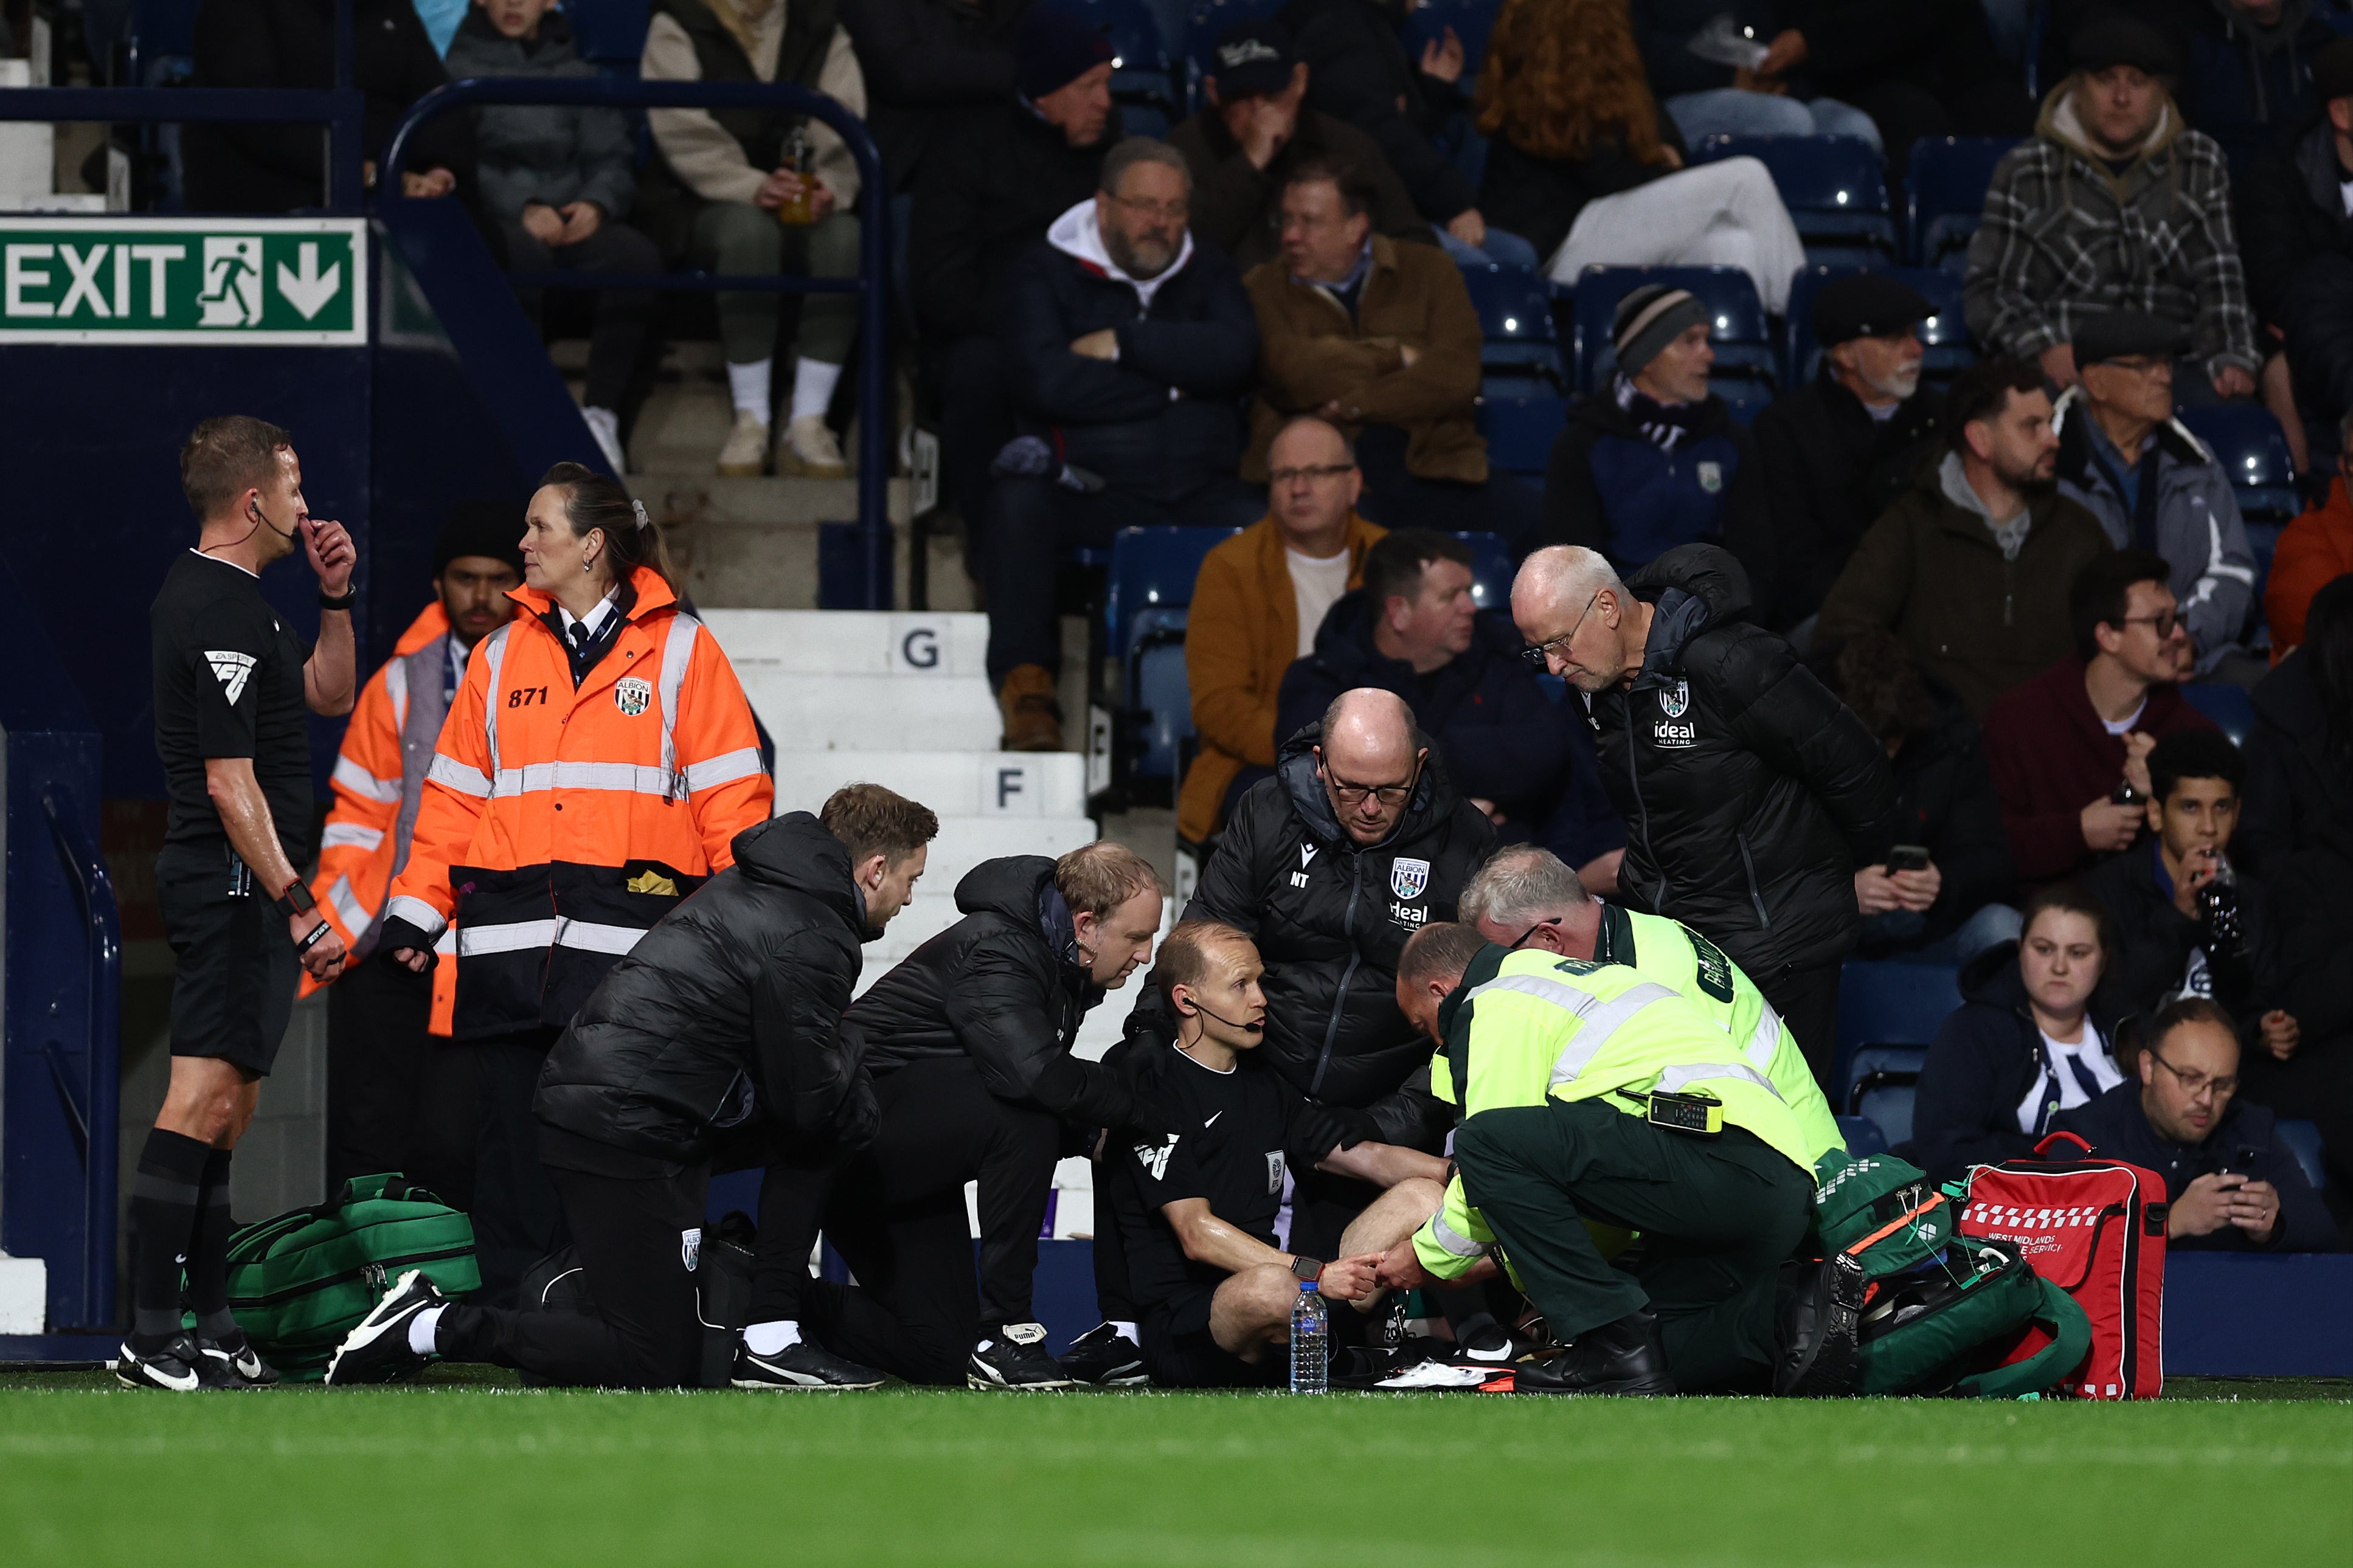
(1257, 1028)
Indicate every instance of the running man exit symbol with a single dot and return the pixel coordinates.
(232, 292)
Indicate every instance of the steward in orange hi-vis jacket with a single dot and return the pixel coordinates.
(594, 769)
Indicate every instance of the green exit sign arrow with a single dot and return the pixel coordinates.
(259, 282)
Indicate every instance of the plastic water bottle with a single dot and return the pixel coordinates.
(1311, 1342)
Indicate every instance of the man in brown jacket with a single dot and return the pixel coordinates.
(1970, 567)
(1256, 606)
(1382, 340)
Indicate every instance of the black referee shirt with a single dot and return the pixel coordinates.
(228, 683)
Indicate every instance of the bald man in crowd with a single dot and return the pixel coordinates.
(1750, 793)
(1357, 841)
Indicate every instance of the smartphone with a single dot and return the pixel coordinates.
(1908, 858)
(2125, 795)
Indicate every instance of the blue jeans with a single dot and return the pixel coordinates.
(1730, 112)
(1502, 248)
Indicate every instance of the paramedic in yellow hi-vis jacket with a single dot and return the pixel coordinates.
(1592, 1097)
(1527, 897)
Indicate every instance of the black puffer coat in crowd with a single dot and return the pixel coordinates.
(1329, 917)
(1004, 986)
(727, 1009)
(1750, 793)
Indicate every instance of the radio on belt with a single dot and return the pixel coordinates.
(1698, 1113)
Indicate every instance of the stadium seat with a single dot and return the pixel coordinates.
(1833, 186)
(1862, 1136)
(2302, 1140)
(1892, 1003)
(1159, 700)
(1491, 570)
(1520, 432)
(2247, 441)
(1944, 337)
(1944, 195)
(2230, 707)
(1743, 399)
(1141, 82)
(1151, 569)
(1742, 335)
(1520, 354)
(1880, 1084)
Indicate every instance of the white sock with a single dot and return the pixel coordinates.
(420, 1330)
(768, 1338)
(748, 385)
(1134, 1335)
(813, 384)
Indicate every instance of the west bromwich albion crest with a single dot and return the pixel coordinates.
(1676, 703)
(1710, 476)
(633, 694)
(1409, 879)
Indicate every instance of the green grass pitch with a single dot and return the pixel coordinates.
(478, 1473)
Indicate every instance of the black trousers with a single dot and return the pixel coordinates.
(1807, 997)
(794, 1192)
(398, 1097)
(1032, 522)
(1717, 1217)
(897, 1214)
(976, 422)
(1394, 497)
(624, 316)
(517, 1219)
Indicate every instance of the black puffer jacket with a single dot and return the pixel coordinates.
(2297, 241)
(1004, 986)
(1330, 918)
(1750, 794)
(730, 1007)
(1831, 469)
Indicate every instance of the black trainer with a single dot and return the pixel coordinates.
(233, 1362)
(173, 1368)
(1819, 1321)
(1015, 1358)
(1621, 1358)
(800, 1368)
(376, 1351)
(1102, 1357)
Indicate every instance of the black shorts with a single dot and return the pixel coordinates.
(233, 989)
(1179, 1353)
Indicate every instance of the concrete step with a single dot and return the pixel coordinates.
(937, 646)
(953, 783)
(872, 712)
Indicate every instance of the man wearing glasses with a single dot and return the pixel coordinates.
(2154, 486)
(1750, 793)
(1358, 841)
(2234, 1185)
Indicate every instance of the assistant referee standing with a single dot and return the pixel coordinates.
(232, 682)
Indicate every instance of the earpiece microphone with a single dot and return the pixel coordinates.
(1257, 1028)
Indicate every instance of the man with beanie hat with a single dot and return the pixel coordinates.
(396, 1102)
(2113, 204)
(991, 183)
(1656, 460)
(1839, 450)
(2297, 211)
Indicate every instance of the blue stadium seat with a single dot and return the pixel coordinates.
(2230, 707)
(1520, 431)
(1491, 570)
(2246, 439)
(1159, 699)
(1891, 1004)
(1862, 1136)
(1835, 187)
(1152, 568)
(1742, 335)
(1880, 1084)
(1944, 195)
(1944, 337)
(610, 33)
(1743, 399)
(1520, 343)
(2302, 1140)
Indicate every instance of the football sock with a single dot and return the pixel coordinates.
(813, 384)
(421, 1329)
(1135, 1335)
(164, 1199)
(772, 1338)
(209, 1253)
(747, 386)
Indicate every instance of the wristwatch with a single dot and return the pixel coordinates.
(1307, 1268)
(295, 900)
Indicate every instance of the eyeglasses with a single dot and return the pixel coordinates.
(2193, 1084)
(1318, 473)
(1173, 212)
(1521, 940)
(2162, 623)
(1356, 794)
(2139, 366)
(1537, 658)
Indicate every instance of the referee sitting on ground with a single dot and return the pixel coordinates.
(232, 681)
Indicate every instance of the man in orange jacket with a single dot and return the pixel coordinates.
(394, 1100)
(2315, 550)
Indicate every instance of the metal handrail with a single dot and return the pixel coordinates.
(343, 114)
(874, 244)
(101, 1108)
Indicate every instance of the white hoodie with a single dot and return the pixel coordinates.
(1078, 234)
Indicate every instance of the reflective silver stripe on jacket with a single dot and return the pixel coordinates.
(1673, 1081)
(678, 654)
(351, 835)
(416, 911)
(362, 782)
(725, 768)
(450, 774)
(1765, 1043)
(396, 687)
(493, 649)
(347, 906)
(535, 777)
(1453, 1240)
(1600, 1019)
(520, 936)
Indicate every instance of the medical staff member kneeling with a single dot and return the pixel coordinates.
(1595, 1102)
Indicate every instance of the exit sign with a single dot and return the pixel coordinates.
(261, 282)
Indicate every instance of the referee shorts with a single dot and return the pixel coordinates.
(1180, 1352)
(233, 986)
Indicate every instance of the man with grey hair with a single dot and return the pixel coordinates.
(1527, 897)
(1750, 793)
(1126, 347)
(1357, 841)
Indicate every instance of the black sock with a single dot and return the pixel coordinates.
(163, 1202)
(209, 1253)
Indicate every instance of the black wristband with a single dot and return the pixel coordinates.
(308, 942)
(349, 596)
(295, 900)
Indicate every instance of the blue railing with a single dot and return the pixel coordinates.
(95, 1108)
(871, 285)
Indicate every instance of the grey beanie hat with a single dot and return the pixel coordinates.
(1649, 319)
